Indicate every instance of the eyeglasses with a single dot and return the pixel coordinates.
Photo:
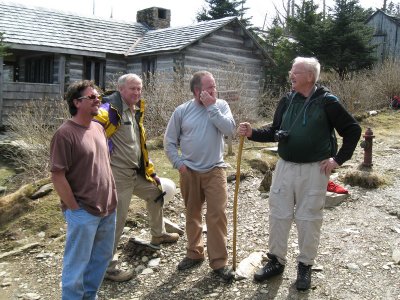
(90, 97)
(297, 73)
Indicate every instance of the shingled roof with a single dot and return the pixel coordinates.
(38, 26)
(41, 27)
(177, 38)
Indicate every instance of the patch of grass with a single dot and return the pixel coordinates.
(365, 179)
(5, 174)
(43, 214)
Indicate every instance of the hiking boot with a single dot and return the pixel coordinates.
(303, 281)
(271, 269)
(188, 263)
(119, 275)
(165, 238)
(226, 273)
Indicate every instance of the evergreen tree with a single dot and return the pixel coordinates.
(3, 48)
(393, 9)
(340, 41)
(218, 9)
(345, 46)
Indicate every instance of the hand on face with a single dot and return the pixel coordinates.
(207, 99)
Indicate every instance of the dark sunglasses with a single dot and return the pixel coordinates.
(90, 97)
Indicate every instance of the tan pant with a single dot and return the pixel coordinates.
(298, 192)
(129, 183)
(210, 187)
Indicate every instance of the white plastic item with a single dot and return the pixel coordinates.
(169, 187)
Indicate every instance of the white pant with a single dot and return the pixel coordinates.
(298, 192)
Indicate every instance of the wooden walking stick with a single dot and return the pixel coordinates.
(239, 158)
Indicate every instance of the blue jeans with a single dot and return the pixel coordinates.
(88, 250)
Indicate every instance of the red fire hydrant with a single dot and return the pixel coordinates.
(366, 144)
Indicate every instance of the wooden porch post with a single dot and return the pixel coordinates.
(1, 90)
(61, 74)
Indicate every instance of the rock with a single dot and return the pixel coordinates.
(139, 269)
(29, 296)
(41, 234)
(171, 227)
(143, 243)
(153, 263)
(266, 182)
(3, 189)
(396, 256)
(147, 271)
(44, 190)
(248, 265)
(5, 284)
(317, 268)
(333, 199)
(145, 259)
(19, 250)
(353, 267)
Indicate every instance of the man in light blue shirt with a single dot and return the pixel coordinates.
(198, 127)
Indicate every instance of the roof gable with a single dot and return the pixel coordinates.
(176, 38)
(394, 19)
(36, 26)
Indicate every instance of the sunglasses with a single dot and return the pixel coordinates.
(90, 97)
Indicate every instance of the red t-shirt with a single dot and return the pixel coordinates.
(82, 153)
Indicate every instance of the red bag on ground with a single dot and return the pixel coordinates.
(335, 188)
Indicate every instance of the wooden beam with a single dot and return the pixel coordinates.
(61, 74)
(56, 50)
(1, 91)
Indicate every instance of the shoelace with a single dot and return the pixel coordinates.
(304, 271)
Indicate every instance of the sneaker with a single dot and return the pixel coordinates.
(335, 188)
(303, 281)
(165, 238)
(271, 269)
(188, 263)
(226, 273)
(119, 275)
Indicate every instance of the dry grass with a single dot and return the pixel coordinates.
(368, 89)
(365, 179)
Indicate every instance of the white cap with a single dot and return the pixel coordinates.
(169, 187)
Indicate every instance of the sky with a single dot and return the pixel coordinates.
(183, 12)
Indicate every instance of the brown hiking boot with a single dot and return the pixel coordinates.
(165, 238)
(119, 275)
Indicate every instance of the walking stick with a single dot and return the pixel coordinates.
(239, 158)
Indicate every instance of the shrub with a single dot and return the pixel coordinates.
(33, 126)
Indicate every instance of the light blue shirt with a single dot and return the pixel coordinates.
(199, 133)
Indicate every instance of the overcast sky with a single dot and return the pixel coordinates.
(183, 12)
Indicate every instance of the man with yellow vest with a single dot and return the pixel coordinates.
(122, 114)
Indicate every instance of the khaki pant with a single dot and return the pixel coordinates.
(298, 192)
(129, 183)
(210, 187)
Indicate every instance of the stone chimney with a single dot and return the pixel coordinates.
(154, 17)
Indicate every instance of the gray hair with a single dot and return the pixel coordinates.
(128, 77)
(311, 63)
(195, 81)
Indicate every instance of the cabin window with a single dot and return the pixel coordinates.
(9, 72)
(149, 65)
(94, 69)
(39, 69)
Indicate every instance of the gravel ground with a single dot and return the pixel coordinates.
(355, 259)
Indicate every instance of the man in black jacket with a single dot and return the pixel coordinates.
(303, 126)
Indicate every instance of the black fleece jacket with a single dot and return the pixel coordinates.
(337, 116)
